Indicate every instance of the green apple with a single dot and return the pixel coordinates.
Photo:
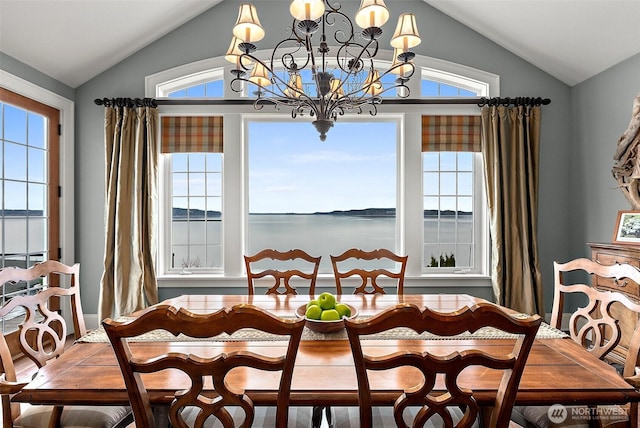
(330, 315)
(314, 312)
(327, 301)
(311, 303)
(343, 310)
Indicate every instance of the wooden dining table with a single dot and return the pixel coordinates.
(558, 370)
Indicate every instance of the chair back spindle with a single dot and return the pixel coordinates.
(283, 278)
(207, 397)
(343, 268)
(428, 402)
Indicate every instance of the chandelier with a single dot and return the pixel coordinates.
(335, 77)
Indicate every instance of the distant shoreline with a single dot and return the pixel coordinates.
(183, 213)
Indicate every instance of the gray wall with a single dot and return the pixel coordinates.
(577, 199)
(22, 70)
(601, 111)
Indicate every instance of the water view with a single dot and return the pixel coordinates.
(323, 234)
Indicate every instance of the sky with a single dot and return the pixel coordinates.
(291, 170)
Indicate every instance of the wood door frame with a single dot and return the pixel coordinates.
(53, 182)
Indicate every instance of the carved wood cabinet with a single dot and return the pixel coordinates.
(608, 254)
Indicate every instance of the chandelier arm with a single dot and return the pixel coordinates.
(275, 78)
(296, 108)
(406, 76)
(331, 20)
(345, 103)
(289, 54)
(344, 51)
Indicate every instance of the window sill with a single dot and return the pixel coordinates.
(449, 280)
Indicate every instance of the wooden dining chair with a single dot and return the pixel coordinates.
(207, 398)
(432, 402)
(368, 266)
(597, 324)
(293, 259)
(40, 335)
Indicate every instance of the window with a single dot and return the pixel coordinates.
(277, 181)
(449, 210)
(194, 187)
(323, 197)
(28, 188)
(213, 89)
(451, 182)
(196, 211)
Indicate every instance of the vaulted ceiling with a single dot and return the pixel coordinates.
(572, 40)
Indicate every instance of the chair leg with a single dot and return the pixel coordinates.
(316, 416)
(327, 412)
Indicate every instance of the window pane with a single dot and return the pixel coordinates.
(197, 234)
(37, 126)
(15, 166)
(179, 162)
(37, 165)
(465, 183)
(448, 183)
(37, 235)
(15, 120)
(448, 91)
(303, 191)
(448, 211)
(178, 94)
(429, 88)
(15, 233)
(180, 232)
(431, 183)
(195, 91)
(196, 207)
(431, 161)
(196, 162)
(15, 196)
(214, 161)
(180, 185)
(465, 161)
(196, 211)
(448, 161)
(214, 184)
(197, 185)
(37, 199)
(215, 89)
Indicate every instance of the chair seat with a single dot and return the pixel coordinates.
(349, 417)
(299, 417)
(76, 417)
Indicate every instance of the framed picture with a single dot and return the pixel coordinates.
(627, 228)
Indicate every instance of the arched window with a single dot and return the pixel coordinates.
(281, 188)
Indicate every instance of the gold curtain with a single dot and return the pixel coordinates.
(129, 280)
(510, 148)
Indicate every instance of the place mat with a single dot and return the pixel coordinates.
(401, 333)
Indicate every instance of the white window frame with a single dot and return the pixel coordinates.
(410, 192)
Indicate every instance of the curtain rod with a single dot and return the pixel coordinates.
(480, 102)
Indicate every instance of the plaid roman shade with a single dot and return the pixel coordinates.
(451, 133)
(182, 134)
